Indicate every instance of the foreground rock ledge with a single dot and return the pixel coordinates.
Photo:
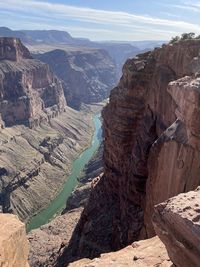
(177, 223)
(150, 252)
(13, 242)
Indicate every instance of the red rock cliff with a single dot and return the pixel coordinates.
(29, 91)
(12, 49)
(150, 148)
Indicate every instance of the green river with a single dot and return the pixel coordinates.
(59, 203)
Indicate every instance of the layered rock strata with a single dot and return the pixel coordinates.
(87, 75)
(47, 242)
(145, 139)
(14, 246)
(34, 160)
(177, 222)
(29, 91)
(34, 163)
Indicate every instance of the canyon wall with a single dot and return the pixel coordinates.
(40, 135)
(150, 148)
(87, 75)
(29, 91)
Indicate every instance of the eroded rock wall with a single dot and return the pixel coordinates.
(136, 150)
(87, 75)
(29, 91)
(174, 158)
(34, 163)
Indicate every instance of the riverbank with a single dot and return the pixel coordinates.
(47, 241)
(58, 204)
(36, 161)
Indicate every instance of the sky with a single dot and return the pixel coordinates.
(119, 20)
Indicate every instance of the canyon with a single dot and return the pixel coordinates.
(138, 201)
(151, 150)
(87, 75)
(48, 40)
(40, 134)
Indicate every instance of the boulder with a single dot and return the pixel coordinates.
(14, 247)
(177, 223)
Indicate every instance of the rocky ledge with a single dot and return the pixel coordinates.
(151, 148)
(148, 253)
(177, 223)
(14, 246)
(13, 49)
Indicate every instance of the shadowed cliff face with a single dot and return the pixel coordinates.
(149, 149)
(87, 75)
(29, 91)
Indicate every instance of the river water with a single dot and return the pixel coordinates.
(59, 203)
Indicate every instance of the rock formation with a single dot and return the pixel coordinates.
(14, 246)
(151, 149)
(47, 242)
(150, 252)
(88, 75)
(34, 160)
(12, 49)
(177, 222)
(34, 163)
(29, 91)
(180, 141)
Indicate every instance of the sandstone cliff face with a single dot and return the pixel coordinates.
(14, 246)
(88, 75)
(148, 137)
(29, 91)
(177, 222)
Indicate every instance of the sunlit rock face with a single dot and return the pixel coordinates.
(29, 91)
(150, 148)
(148, 253)
(14, 247)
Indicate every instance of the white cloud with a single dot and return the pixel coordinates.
(186, 7)
(111, 20)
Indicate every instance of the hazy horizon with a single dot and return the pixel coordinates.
(104, 20)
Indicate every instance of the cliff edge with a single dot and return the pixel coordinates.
(151, 148)
(14, 246)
